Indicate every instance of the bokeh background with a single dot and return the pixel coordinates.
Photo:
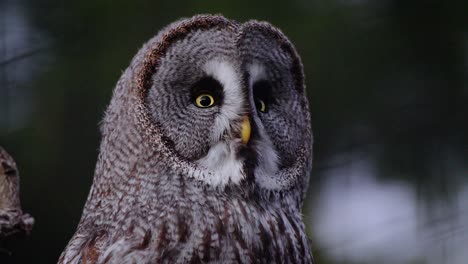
(388, 88)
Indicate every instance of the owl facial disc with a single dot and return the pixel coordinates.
(228, 102)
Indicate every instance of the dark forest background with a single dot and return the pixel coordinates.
(388, 88)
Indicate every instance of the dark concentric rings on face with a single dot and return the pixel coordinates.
(150, 65)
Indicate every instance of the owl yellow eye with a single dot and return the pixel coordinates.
(204, 100)
(262, 93)
(261, 106)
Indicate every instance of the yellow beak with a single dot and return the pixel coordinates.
(245, 129)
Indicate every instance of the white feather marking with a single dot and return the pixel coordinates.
(221, 159)
(257, 72)
(232, 106)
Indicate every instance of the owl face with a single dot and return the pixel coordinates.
(227, 99)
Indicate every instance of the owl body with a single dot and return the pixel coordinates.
(193, 166)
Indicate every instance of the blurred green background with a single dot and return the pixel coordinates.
(388, 88)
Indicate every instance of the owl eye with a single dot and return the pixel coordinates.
(262, 95)
(204, 100)
(207, 92)
(260, 104)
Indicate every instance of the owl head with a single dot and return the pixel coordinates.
(222, 103)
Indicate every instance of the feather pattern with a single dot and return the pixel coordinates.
(158, 195)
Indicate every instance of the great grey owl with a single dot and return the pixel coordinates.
(205, 153)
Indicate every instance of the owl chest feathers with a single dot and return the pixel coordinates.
(184, 228)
